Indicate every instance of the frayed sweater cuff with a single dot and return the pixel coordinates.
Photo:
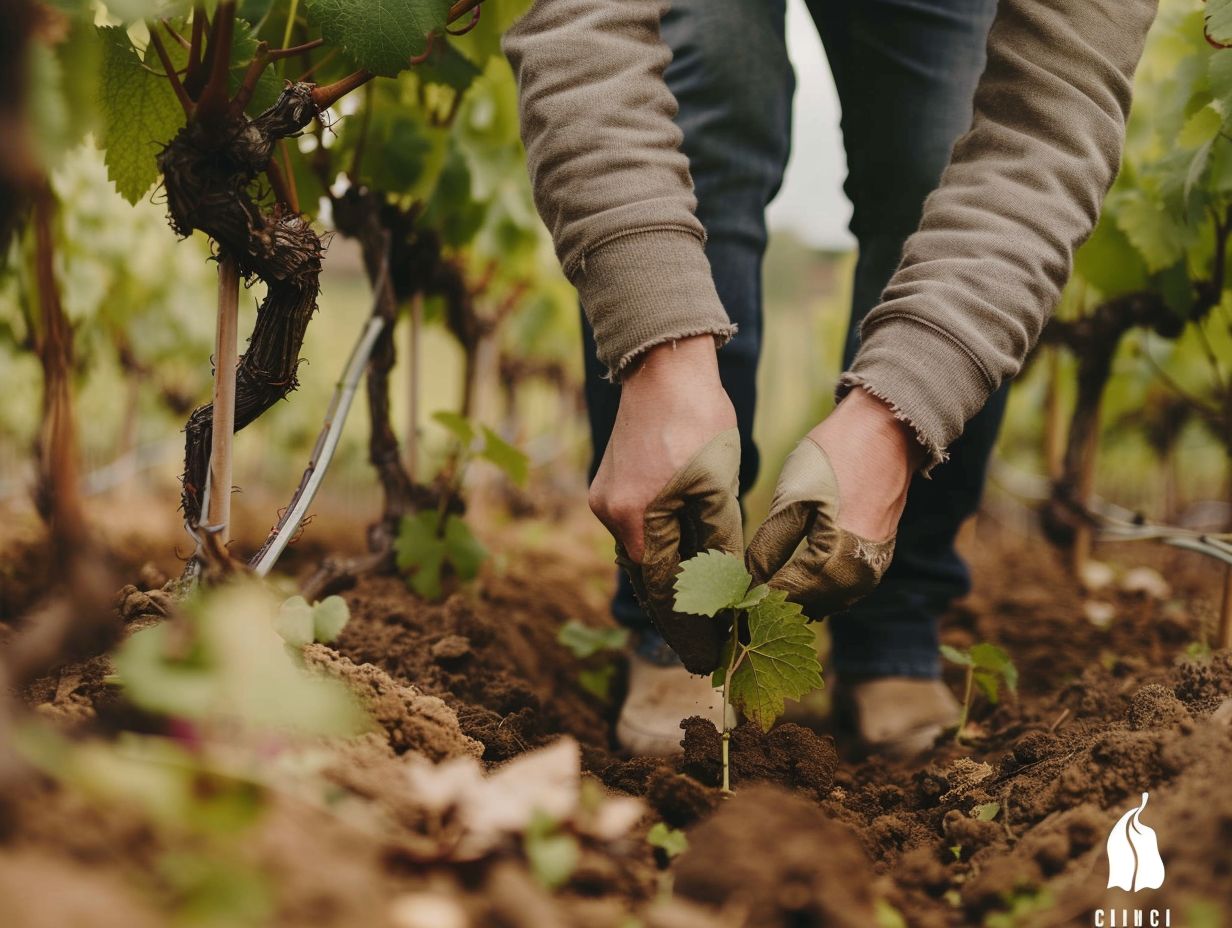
(645, 288)
(930, 380)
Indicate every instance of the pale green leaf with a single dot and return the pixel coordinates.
(753, 597)
(329, 618)
(711, 582)
(585, 641)
(779, 661)
(463, 550)
(672, 841)
(1200, 127)
(990, 657)
(509, 459)
(955, 656)
(598, 681)
(1153, 230)
(986, 811)
(989, 684)
(457, 425)
(139, 115)
(294, 622)
(1219, 20)
(420, 553)
(380, 35)
(552, 854)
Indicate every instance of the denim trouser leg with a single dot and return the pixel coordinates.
(731, 76)
(906, 71)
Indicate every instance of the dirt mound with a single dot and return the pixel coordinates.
(494, 660)
(778, 858)
(790, 756)
(410, 720)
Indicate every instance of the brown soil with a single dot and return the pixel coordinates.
(809, 839)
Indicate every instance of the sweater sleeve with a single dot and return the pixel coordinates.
(608, 175)
(984, 271)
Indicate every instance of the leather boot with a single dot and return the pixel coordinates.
(898, 717)
(659, 699)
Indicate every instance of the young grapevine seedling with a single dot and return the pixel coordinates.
(987, 667)
(430, 541)
(594, 647)
(770, 656)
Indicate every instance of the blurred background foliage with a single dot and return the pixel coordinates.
(445, 137)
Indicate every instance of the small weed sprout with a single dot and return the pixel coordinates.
(593, 647)
(987, 667)
(432, 543)
(671, 841)
(770, 656)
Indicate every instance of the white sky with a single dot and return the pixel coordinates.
(812, 203)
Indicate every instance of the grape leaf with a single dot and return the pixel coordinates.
(457, 425)
(988, 657)
(421, 554)
(380, 35)
(779, 661)
(955, 656)
(512, 462)
(671, 841)
(1157, 235)
(139, 115)
(711, 582)
(463, 550)
(1219, 20)
(448, 67)
(294, 622)
(329, 618)
(584, 641)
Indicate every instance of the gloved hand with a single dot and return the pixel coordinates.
(697, 511)
(863, 447)
(666, 487)
(835, 567)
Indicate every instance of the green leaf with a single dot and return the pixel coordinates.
(585, 641)
(779, 662)
(955, 656)
(420, 554)
(989, 684)
(1157, 235)
(552, 855)
(990, 657)
(711, 582)
(448, 67)
(672, 841)
(380, 35)
(1219, 20)
(457, 425)
(1108, 261)
(294, 622)
(598, 681)
(463, 550)
(753, 597)
(329, 618)
(139, 115)
(512, 462)
(986, 811)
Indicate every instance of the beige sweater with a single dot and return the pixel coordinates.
(977, 281)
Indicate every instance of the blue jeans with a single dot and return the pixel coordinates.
(905, 71)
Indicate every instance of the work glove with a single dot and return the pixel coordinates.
(834, 567)
(696, 511)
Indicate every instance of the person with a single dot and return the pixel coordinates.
(980, 138)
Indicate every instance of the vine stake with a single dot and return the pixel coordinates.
(226, 358)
